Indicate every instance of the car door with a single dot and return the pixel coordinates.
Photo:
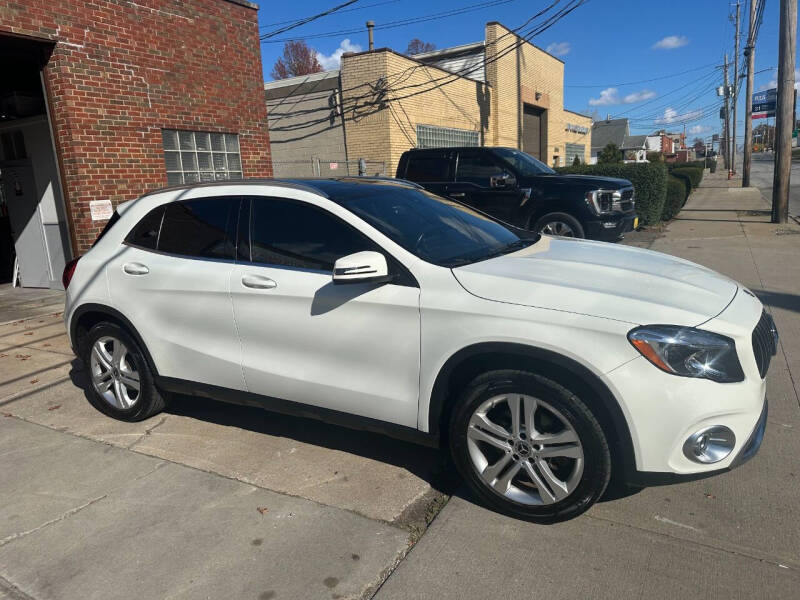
(474, 171)
(349, 347)
(431, 169)
(171, 279)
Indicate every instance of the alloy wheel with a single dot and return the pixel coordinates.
(524, 449)
(558, 228)
(114, 373)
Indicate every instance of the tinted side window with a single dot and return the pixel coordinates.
(477, 169)
(427, 167)
(145, 234)
(294, 234)
(202, 227)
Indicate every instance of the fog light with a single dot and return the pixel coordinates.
(709, 445)
(609, 224)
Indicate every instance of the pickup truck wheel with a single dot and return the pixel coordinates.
(560, 224)
(528, 447)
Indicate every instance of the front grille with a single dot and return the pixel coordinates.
(764, 343)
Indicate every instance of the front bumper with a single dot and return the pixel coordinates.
(747, 451)
(611, 227)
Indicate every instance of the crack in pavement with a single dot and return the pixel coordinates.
(11, 591)
(61, 517)
(717, 545)
(147, 432)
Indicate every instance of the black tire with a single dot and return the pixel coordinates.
(149, 401)
(555, 217)
(596, 455)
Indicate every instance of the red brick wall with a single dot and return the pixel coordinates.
(121, 70)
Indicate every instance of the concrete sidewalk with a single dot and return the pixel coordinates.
(734, 536)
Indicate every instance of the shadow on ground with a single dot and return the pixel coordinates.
(429, 464)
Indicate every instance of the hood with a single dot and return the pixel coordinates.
(603, 280)
(588, 182)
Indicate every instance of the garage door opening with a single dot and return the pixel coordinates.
(534, 132)
(34, 239)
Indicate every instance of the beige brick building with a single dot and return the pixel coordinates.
(502, 91)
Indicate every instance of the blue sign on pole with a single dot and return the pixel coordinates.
(764, 103)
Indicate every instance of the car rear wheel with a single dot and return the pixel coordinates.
(122, 384)
(560, 224)
(528, 447)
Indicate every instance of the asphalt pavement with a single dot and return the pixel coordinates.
(762, 172)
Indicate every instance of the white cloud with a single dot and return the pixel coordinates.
(698, 129)
(671, 116)
(331, 61)
(671, 42)
(773, 83)
(639, 96)
(607, 97)
(610, 96)
(559, 48)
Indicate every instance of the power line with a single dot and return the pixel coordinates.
(344, 10)
(398, 23)
(301, 22)
(606, 85)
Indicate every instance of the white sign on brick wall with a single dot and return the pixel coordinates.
(101, 210)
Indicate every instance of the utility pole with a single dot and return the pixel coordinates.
(749, 52)
(783, 114)
(727, 117)
(735, 91)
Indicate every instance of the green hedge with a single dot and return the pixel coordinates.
(684, 177)
(649, 183)
(676, 197)
(695, 174)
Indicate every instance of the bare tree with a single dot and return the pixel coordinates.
(417, 46)
(298, 59)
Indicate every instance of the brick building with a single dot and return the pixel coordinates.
(501, 91)
(102, 100)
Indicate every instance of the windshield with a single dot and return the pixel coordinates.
(525, 164)
(438, 231)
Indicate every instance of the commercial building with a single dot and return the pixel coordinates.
(502, 91)
(102, 100)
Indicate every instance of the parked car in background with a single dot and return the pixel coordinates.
(516, 188)
(544, 365)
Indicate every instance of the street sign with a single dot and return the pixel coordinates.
(764, 103)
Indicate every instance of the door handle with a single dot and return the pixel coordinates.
(457, 194)
(135, 269)
(258, 282)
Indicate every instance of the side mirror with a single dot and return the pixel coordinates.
(361, 267)
(503, 180)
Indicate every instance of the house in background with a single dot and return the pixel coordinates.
(634, 148)
(501, 91)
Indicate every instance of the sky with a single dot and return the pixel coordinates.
(657, 63)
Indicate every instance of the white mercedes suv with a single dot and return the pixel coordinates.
(545, 364)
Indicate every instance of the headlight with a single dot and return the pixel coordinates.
(688, 352)
(604, 201)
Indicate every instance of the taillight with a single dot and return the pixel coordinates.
(69, 271)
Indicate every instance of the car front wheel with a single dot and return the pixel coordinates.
(529, 447)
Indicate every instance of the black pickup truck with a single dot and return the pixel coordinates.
(516, 188)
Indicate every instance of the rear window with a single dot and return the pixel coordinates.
(109, 224)
(201, 228)
(427, 167)
(145, 234)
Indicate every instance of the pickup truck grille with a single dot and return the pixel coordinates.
(764, 343)
(626, 202)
